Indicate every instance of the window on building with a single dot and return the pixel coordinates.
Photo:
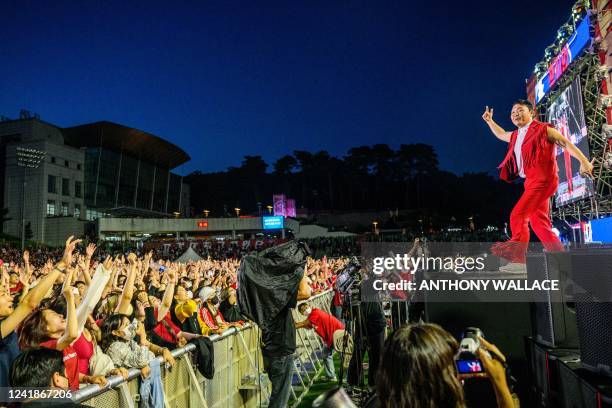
(78, 166)
(50, 207)
(52, 159)
(65, 209)
(51, 184)
(77, 189)
(66, 163)
(77, 211)
(65, 186)
(91, 215)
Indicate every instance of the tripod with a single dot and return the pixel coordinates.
(349, 317)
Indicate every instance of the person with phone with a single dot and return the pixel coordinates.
(531, 155)
(418, 368)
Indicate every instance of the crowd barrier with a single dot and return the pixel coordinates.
(238, 380)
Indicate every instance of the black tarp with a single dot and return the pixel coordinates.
(269, 280)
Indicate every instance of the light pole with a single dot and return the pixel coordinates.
(237, 211)
(27, 158)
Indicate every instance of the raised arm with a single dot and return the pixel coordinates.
(304, 291)
(128, 288)
(109, 265)
(196, 277)
(26, 265)
(37, 293)
(25, 275)
(497, 130)
(86, 264)
(71, 333)
(168, 294)
(586, 166)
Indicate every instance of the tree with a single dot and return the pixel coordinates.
(285, 165)
(373, 177)
(359, 159)
(415, 159)
(253, 166)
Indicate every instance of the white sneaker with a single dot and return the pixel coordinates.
(513, 267)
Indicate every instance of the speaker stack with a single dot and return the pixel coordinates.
(570, 348)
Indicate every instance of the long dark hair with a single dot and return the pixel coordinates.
(112, 322)
(418, 369)
(32, 331)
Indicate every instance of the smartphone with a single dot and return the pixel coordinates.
(469, 366)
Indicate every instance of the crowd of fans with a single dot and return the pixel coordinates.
(237, 248)
(78, 315)
(102, 315)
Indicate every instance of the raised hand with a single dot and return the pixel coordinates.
(171, 273)
(89, 251)
(132, 258)
(24, 276)
(71, 243)
(487, 116)
(26, 257)
(67, 288)
(108, 263)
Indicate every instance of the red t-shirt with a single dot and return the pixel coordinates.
(325, 325)
(337, 297)
(17, 288)
(161, 331)
(402, 294)
(71, 362)
(84, 350)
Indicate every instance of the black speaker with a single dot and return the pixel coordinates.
(580, 388)
(553, 318)
(592, 275)
(544, 365)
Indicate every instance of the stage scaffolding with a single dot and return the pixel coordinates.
(596, 85)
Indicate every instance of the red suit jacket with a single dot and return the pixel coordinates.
(538, 154)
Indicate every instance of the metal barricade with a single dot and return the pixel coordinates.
(237, 382)
(308, 361)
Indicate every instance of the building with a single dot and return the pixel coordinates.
(88, 171)
(117, 229)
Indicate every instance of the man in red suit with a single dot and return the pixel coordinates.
(531, 155)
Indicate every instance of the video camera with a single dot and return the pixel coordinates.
(466, 359)
(348, 283)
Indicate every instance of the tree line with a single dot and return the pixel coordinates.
(367, 178)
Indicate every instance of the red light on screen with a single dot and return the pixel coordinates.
(202, 224)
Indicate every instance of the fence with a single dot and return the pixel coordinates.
(237, 382)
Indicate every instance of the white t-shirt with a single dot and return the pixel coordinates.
(522, 131)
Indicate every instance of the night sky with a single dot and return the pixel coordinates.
(227, 79)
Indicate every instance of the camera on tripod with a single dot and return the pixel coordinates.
(349, 280)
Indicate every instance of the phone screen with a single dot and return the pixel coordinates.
(469, 366)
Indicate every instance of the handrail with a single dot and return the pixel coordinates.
(114, 381)
(93, 390)
(310, 299)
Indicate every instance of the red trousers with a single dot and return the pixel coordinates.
(531, 209)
